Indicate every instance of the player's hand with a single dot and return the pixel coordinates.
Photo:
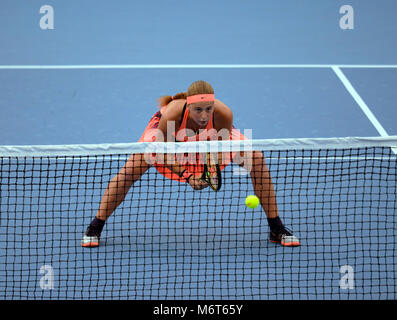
(197, 183)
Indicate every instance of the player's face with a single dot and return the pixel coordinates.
(201, 112)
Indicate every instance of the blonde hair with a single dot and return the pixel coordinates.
(197, 87)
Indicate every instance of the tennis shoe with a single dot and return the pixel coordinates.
(284, 237)
(90, 240)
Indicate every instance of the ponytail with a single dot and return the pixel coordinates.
(165, 100)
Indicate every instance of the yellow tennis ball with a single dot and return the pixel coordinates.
(252, 201)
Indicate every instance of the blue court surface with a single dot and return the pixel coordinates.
(286, 69)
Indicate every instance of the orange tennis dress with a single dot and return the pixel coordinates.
(182, 135)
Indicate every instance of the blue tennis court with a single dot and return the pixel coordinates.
(286, 69)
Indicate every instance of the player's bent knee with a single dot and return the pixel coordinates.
(258, 157)
(248, 159)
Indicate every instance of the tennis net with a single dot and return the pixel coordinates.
(169, 241)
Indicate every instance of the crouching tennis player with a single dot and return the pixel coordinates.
(193, 114)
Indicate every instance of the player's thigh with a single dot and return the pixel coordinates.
(136, 165)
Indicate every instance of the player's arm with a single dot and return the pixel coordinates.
(223, 117)
(168, 122)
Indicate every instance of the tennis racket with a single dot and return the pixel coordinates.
(212, 172)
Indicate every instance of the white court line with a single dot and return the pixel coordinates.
(190, 66)
(361, 103)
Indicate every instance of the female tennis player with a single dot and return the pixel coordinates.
(194, 115)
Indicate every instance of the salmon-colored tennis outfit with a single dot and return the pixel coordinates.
(182, 135)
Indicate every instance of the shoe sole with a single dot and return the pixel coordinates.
(90, 244)
(290, 244)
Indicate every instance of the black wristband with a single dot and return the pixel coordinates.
(186, 175)
(181, 174)
(190, 175)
